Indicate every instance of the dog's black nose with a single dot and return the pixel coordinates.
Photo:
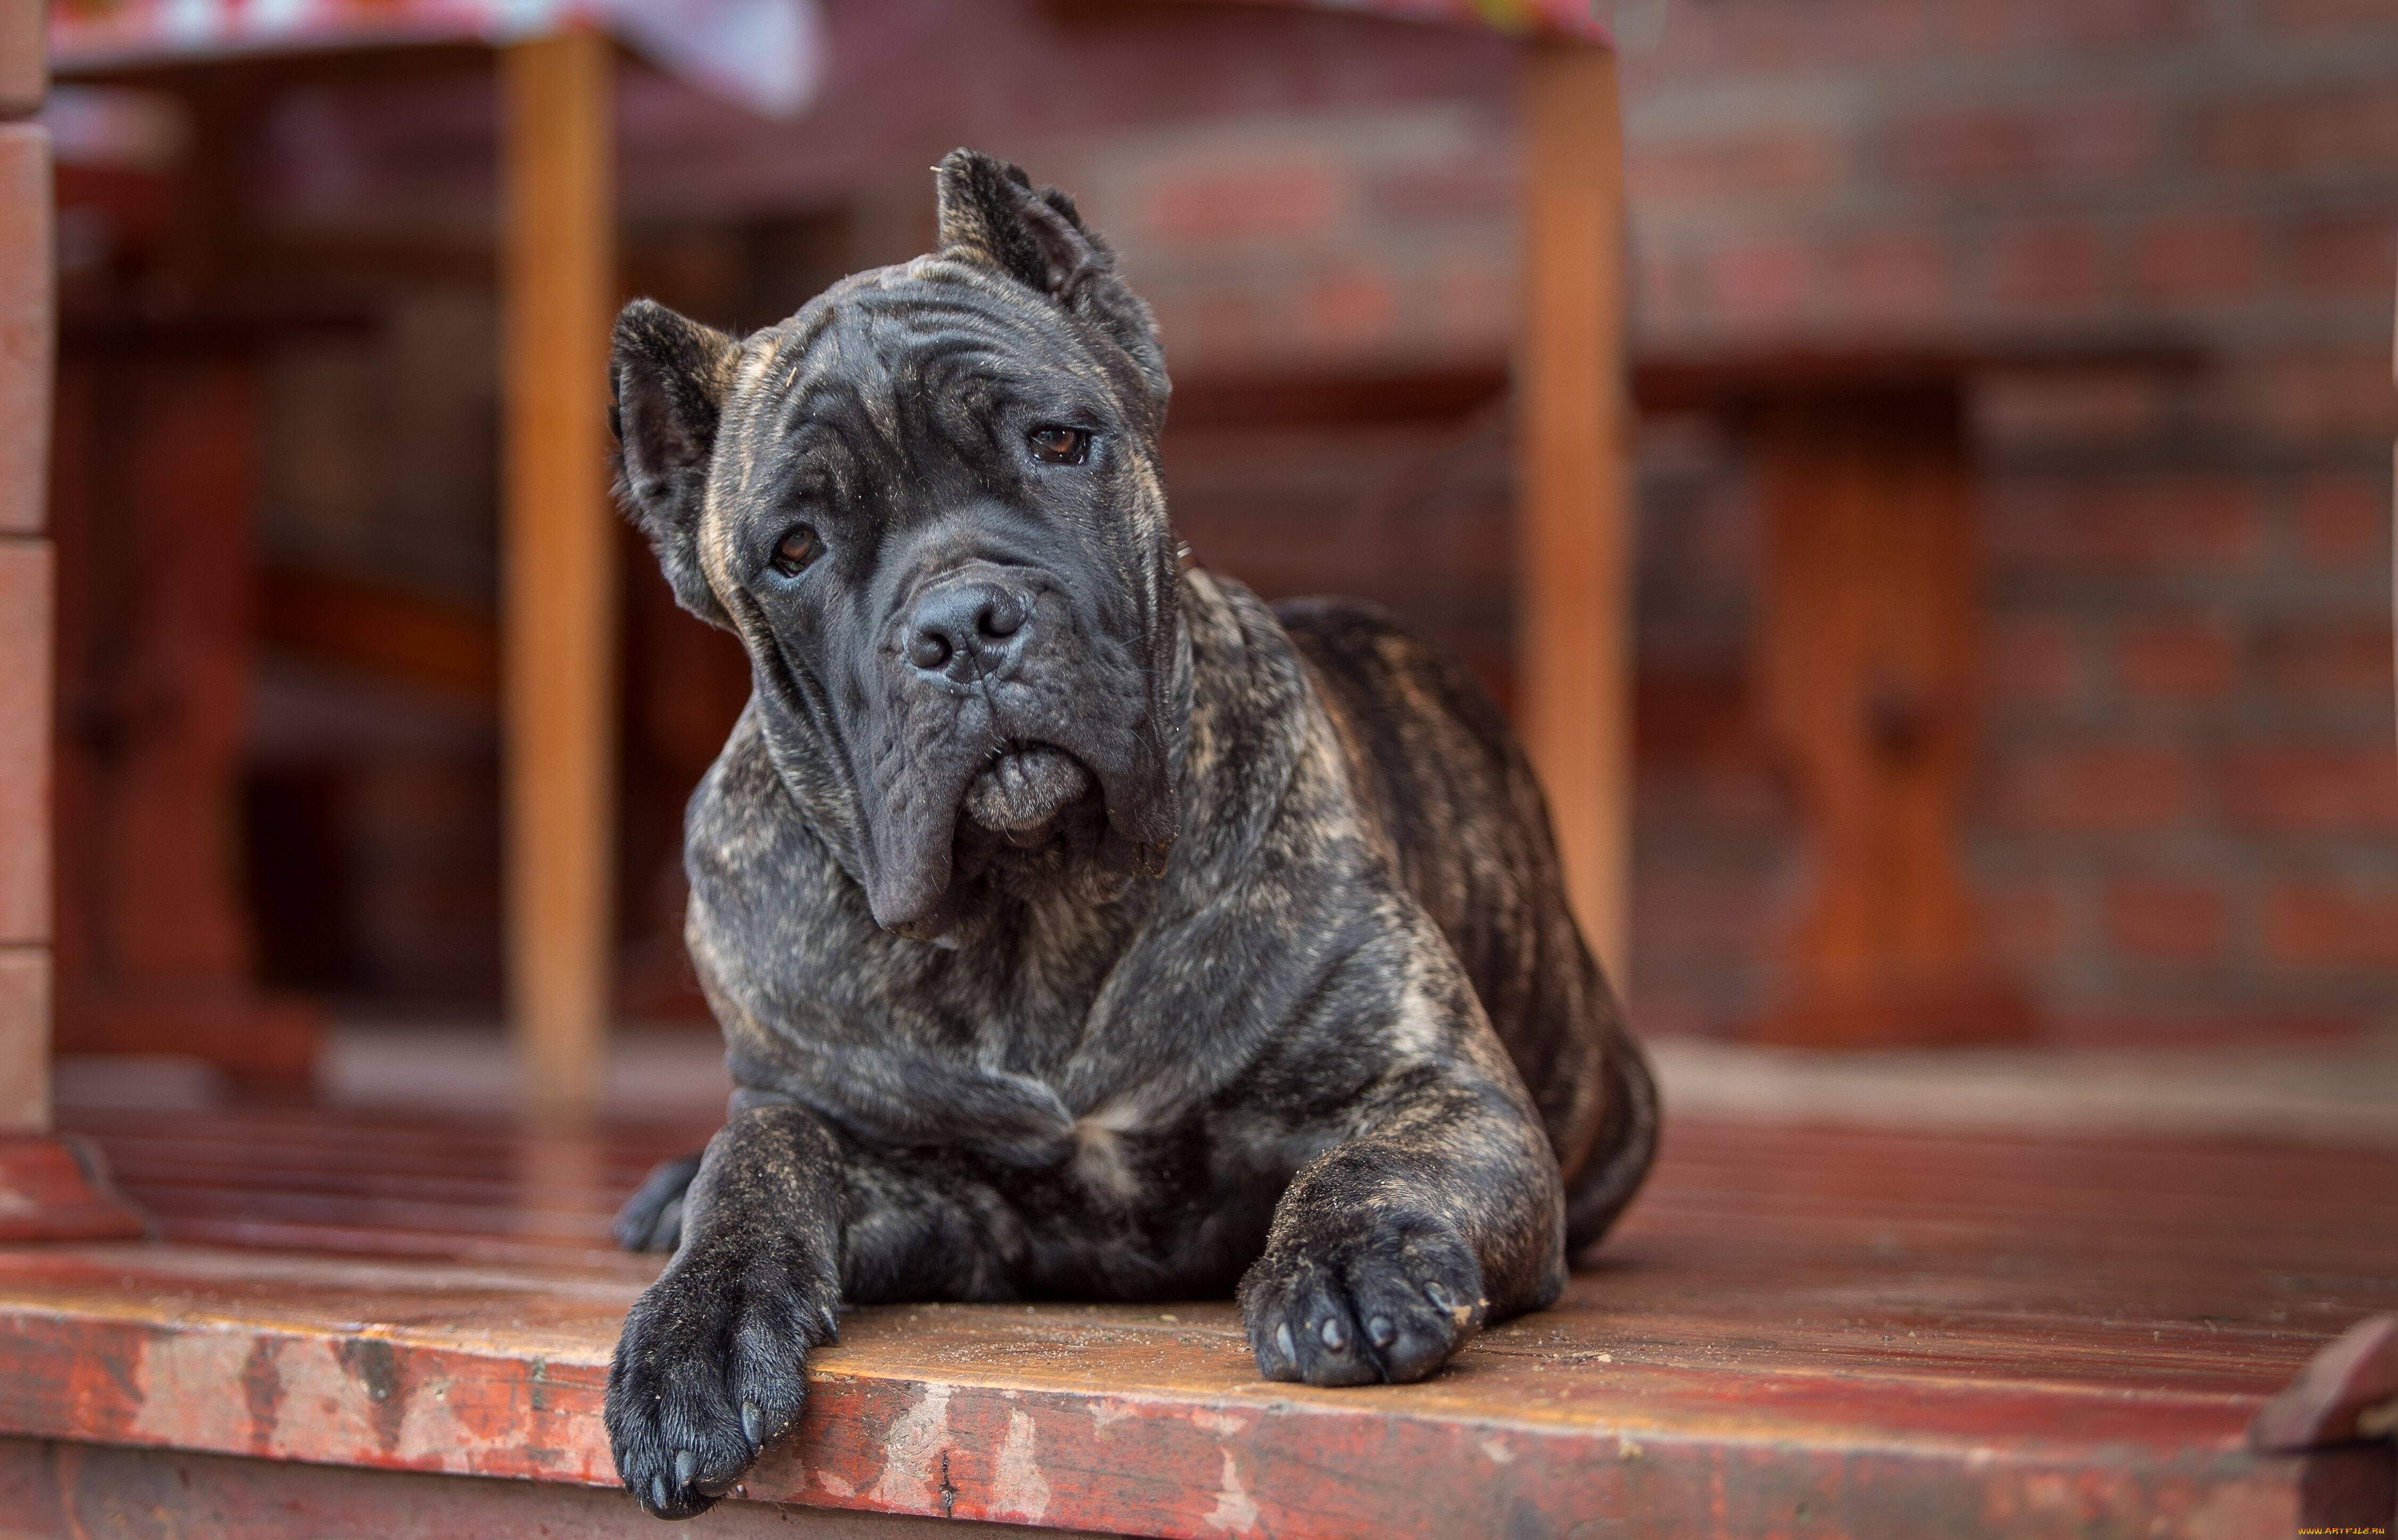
(967, 630)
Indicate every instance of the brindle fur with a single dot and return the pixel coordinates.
(1291, 1055)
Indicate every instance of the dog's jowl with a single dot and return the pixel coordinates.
(1078, 926)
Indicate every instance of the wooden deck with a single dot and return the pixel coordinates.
(1795, 1333)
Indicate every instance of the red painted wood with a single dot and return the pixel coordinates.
(1796, 1332)
(47, 1194)
(52, 1491)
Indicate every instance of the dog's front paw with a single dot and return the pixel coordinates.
(1362, 1299)
(710, 1369)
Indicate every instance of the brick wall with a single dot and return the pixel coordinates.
(26, 333)
(2186, 819)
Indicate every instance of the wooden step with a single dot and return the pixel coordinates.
(1796, 1332)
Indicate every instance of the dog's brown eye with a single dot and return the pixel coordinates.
(1061, 446)
(799, 547)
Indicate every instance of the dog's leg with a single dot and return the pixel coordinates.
(709, 1367)
(785, 1218)
(650, 1220)
(1442, 1213)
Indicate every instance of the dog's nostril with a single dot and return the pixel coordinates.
(1000, 615)
(928, 650)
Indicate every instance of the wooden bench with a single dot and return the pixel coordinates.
(1794, 1333)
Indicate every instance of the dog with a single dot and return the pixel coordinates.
(1079, 925)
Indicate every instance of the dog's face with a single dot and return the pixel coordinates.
(929, 505)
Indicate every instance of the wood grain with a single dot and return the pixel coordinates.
(1575, 625)
(1866, 650)
(1795, 1331)
(559, 575)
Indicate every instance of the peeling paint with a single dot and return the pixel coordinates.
(1225, 1422)
(1235, 1512)
(1018, 1487)
(911, 1474)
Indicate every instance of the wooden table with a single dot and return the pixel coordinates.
(1801, 1332)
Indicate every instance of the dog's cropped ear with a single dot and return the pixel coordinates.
(670, 375)
(990, 213)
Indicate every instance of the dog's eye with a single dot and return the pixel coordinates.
(797, 548)
(1061, 446)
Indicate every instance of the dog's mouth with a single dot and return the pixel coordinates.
(1026, 791)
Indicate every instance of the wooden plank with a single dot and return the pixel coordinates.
(75, 1492)
(156, 447)
(1901, 1334)
(1868, 648)
(1151, 1422)
(1574, 669)
(558, 288)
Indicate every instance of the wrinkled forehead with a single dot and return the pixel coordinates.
(931, 337)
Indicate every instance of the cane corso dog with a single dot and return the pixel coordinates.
(1079, 926)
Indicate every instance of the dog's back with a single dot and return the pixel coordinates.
(1467, 828)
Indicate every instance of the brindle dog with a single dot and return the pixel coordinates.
(1078, 926)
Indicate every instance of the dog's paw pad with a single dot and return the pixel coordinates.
(1357, 1307)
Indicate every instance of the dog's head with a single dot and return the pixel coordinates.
(929, 505)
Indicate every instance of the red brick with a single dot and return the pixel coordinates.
(2181, 658)
(2032, 660)
(1842, 33)
(2315, 923)
(2322, 15)
(2328, 659)
(2320, 396)
(2321, 129)
(1758, 282)
(2215, 1024)
(1783, 161)
(2128, 525)
(25, 587)
(1454, 190)
(2080, 410)
(2095, 788)
(24, 71)
(2343, 520)
(26, 329)
(1348, 309)
(2105, 140)
(2197, 257)
(2048, 264)
(2351, 254)
(2027, 921)
(1668, 298)
(24, 1040)
(1281, 202)
(1990, 25)
(2153, 919)
(2320, 788)
(1892, 277)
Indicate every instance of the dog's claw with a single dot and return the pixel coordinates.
(753, 1424)
(1351, 1303)
(686, 1467)
(658, 1492)
(831, 1324)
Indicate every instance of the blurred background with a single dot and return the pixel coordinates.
(2104, 284)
